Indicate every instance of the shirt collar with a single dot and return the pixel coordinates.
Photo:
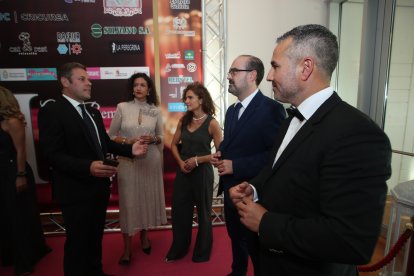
(75, 103)
(311, 104)
(245, 103)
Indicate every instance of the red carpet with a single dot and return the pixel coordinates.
(144, 265)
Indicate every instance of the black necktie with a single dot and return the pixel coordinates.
(294, 112)
(235, 116)
(92, 130)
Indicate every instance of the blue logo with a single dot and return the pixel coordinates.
(177, 107)
(62, 49)
(5, 16)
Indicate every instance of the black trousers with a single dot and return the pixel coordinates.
(244, 243)
(195, 188)
(84, 223)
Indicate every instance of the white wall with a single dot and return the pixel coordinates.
(399, 116)
(253, 27)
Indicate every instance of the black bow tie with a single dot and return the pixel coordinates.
(294, 112)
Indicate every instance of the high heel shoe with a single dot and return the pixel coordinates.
(125, 261)
(147, 250)
(169, 260)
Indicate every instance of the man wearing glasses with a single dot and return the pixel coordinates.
(250, 128)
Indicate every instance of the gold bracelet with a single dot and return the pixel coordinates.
(124, 140)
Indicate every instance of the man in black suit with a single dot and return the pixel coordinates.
(75, 150)
(320, 201)
(249, 131)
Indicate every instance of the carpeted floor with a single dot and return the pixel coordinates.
(144, 265)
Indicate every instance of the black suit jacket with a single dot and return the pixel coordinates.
(325, 195)
(249, 146)
(69, 149)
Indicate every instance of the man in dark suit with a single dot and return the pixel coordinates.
(320, 201)
(75, 151)
(249, 131)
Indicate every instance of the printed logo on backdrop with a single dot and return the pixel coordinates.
(27, 48)
(176, 55)
(121, 72)
(178, 93)
(13, 74)
(79, 1)
(180, 4)
(5, 17)
(94, 73)
(177, 107)
(127, 47)
(69, 43)
(122, 7)
(169, 67)
(191, 67)
(179, 25)
(189, 54)
(69, 49)
(44, 17)
(41, 74)
(97, 30)
(180, 79)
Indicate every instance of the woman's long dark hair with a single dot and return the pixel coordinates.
(152, 98)
(202, 93)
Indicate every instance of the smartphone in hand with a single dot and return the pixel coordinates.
(110, 162)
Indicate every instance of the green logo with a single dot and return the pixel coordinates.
(189, 55)
(96, 30)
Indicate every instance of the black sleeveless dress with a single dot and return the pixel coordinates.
(194, 188)
(22, 242)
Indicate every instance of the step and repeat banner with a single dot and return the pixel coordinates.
(114, 39)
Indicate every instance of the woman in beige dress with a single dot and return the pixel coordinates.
(140, 180)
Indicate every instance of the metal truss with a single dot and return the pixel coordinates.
(53, 222)
(215, 53)
(215, 58)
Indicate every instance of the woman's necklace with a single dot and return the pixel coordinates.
(197, 119)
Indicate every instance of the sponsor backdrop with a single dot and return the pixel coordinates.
(114, 39)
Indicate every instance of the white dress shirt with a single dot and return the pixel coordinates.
(76, 104)
(245, 103)
(307, 108)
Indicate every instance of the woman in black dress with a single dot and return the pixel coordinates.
(21, 237)
(193, 184)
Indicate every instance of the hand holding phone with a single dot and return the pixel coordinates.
(110, 162)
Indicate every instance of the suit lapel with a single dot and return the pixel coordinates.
(305, 130)
(99, 126)
(248, 113)
(78, 120)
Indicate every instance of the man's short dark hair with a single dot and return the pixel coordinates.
(315, 40)
(65, 70)
(254, 63)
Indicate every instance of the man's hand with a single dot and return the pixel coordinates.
(225, 167)
(251, 213)
(238, 192)
(138, 148)
(215, 159)
(98, 169)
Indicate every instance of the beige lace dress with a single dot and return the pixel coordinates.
(140, 180)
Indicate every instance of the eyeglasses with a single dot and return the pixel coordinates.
(233, 71)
